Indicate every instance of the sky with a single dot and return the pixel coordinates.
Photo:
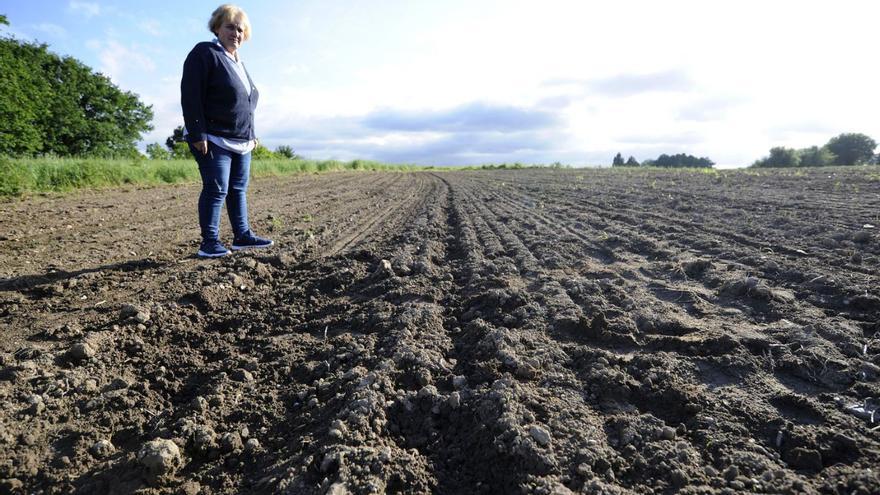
(452, 82)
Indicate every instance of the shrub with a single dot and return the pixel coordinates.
(158, 152)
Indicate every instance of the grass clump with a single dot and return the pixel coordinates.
(19, 176)
(35, 175)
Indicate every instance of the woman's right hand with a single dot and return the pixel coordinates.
(201, 147)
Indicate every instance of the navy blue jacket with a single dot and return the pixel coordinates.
(213, 99)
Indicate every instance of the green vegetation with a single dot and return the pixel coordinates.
(845, 149)
(19, 176)
(852, 149)
(630, 162)
(680, 160)
(176, 147)
(57, 105)
(285, 151)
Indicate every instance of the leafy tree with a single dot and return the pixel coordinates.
(852, 148)
(779, 157)
(618, 161)
(24, 96)
(3, 20)
(157, 152)
(680, 160)
(286, 152)
(632, 162)
(816, 157)
(53, 104)
(175, 137)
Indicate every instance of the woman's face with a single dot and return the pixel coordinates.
(231, 34)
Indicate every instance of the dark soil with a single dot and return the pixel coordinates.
(530, 331)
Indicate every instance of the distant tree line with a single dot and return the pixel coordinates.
(845, 149)
(176, 148)
(57, 105)
(680, 160)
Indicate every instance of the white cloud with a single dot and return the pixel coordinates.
(296, 69)
(152, 27)
(118, 60)
(87, 9)
(51, 29)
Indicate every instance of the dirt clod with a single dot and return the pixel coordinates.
(242, 375)
(81, 351)
(102, 449)
(160, 458)
(231, 442)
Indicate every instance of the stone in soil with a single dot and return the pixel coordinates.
(541, 435)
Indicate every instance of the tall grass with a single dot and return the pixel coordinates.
(19, 176)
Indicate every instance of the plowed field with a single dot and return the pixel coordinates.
(527, 331)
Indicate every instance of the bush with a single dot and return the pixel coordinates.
(181, 151)
(262, 153)
(779, 157)
(13, 178)
(158, 152)
(286, 152)
(816, 157)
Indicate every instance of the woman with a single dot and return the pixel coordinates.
(218, 100)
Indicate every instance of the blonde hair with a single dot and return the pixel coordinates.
(226, 13)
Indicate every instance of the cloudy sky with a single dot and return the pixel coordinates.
(485, 81)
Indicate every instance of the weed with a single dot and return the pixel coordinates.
(275, 223)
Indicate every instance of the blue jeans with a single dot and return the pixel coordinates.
(225, 176)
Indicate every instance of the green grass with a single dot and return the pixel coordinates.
(21, 176)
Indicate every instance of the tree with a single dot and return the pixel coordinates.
(852, 148)
(175, 137)
(779, 157)
(3, 20)
(632, 162)
(52, 104)
(286, 152)
(618, 161)
(157, 152)
(24, 97)
(680, 160)
(816, 157)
